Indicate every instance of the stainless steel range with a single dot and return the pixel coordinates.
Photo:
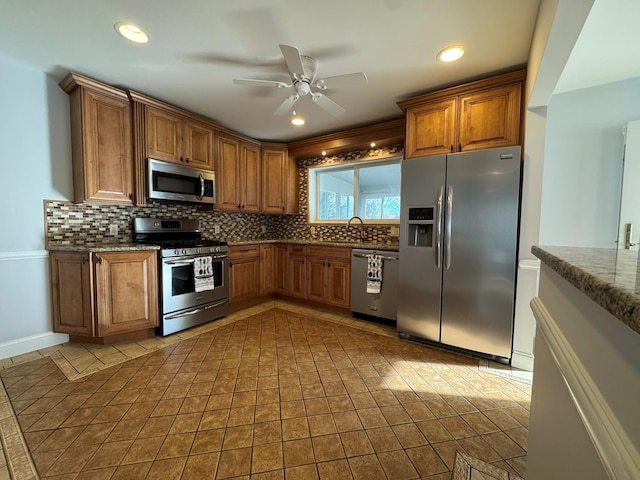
(193, 272)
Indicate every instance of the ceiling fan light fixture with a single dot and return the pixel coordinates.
(132, 32)
(451, 54)
(297, 120)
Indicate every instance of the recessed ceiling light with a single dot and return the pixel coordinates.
(324, 153)
(297, 120)
(373, 144)
(451, 54)
(132, 32)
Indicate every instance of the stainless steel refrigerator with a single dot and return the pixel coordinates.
(458, 247)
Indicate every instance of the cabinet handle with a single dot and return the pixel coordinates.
(452, 148)
(239, 206)
(84, 261)
(99, 259)
(187, 160)
(131, 196)
(181, 159)
(230, 264)
(459, 147)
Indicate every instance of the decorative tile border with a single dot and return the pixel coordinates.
(468, 468)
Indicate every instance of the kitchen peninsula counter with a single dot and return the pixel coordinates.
(609, 277)
(586, 377)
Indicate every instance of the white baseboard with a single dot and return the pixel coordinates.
(522, 360)
(31, 344)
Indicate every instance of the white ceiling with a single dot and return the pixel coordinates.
(608, 48)
(198, 47)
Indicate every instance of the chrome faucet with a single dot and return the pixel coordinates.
(363, 234)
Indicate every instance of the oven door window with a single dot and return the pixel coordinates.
(183, 278)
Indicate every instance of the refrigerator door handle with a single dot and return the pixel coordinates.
(447, 244)
(438, 246)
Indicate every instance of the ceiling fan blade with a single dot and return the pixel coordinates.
(292, 58)
(339, 81)
(288, 103)
(259, 83)
(329, 105)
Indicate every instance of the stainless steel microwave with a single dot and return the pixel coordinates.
(171, 182)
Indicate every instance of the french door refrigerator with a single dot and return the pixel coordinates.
(458, 250)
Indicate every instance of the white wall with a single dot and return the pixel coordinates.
(630, 201)
(583, 164)
(36, 164)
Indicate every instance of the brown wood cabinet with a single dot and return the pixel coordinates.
(296, 271)
(274, 179)
(474, 116)
(178, 139)
(281, 260)
(244, 273)
(102, 149)
(104, 297)
(329, 275)
(267, 268)
(238, 174)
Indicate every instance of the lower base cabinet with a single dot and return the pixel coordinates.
(316, 273)
(99, 296)
(244, 273)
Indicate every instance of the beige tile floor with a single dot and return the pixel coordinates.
(274, 391)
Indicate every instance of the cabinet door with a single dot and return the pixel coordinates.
(281, 262)
(71, 293)
(316, 279)
(227, 162)
(431, 129)
(163, 134)
(490, 119)
(338, 283)
(267, 270)
(105, 172)
(250, 179)
(125, 291)
(198, 145)
(244, 279)
(297, 276)
(274, 180)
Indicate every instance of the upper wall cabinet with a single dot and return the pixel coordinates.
(474, 116)
(178, 139)
(279, 180)
(102, 150)
(237, 174)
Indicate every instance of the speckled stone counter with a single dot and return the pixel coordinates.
(609, 277)
(370, 246)
(110, 247)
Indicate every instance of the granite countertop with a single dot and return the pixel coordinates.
(370, 246)
(610, 277)
(106, 247)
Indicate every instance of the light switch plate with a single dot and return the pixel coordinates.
(113, 229)
(216, 229)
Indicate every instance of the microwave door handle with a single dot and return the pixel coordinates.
(201, 187)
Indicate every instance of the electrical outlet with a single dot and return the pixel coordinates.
(216, 229)
(264, 229)
(113, 229)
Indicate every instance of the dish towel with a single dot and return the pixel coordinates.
(203, 273)
(374, 273)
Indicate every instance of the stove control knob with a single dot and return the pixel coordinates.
(184, 251)
(198, 250)
(177, 252)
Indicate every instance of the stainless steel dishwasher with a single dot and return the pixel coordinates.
(384, 304)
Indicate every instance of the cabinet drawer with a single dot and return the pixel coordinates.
(244, 251)
(328, 252)
(297, 249)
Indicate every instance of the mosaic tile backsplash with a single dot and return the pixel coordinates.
(70, 223)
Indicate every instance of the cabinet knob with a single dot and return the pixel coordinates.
(131, 196)
(239, 206)
(181, 159)
(187, 160)
(459, 147)
(452, 148)
(99, 259)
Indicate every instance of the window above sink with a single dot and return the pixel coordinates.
(367, 189)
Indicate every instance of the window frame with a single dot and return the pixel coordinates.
(354, 166)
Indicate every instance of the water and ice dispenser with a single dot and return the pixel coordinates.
(420, 227)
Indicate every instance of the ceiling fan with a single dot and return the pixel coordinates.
(302, 70)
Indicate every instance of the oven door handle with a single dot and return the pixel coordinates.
(196, 310)
(180, 263)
